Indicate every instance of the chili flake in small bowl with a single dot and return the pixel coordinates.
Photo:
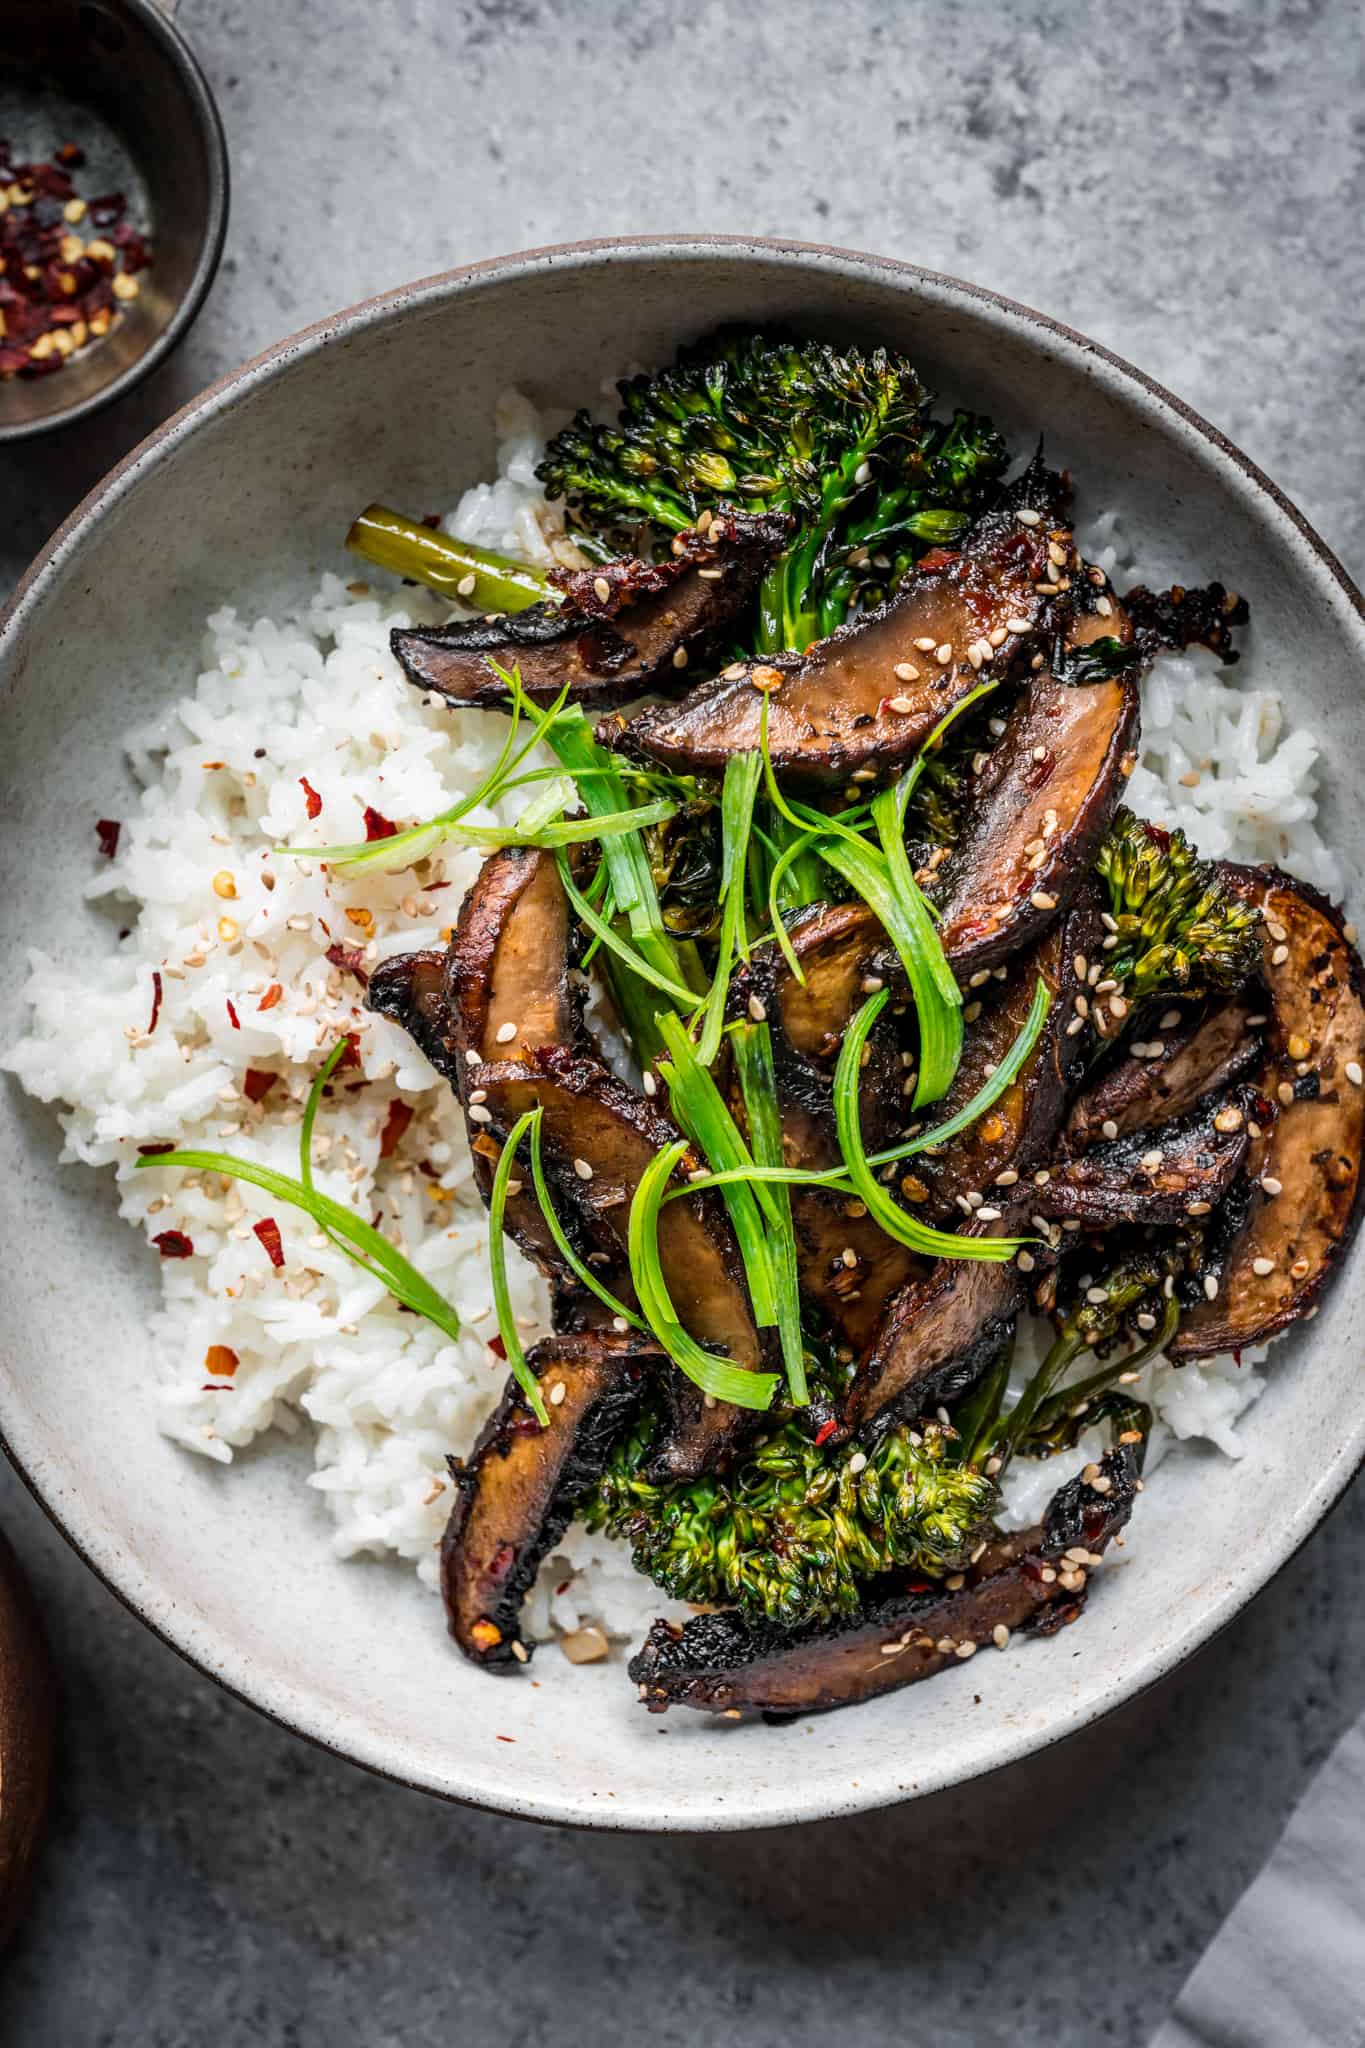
(68, 265)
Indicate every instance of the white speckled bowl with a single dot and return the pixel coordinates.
(245, 496)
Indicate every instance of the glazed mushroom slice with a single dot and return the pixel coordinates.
(507, 971)
(1201, 1054)
(936, 1338)
(1174, 619)
(1303, 1167)
(1044, 802)
(847, 1266)
(1034, 1581)
(598, 1138)
(863, 701)
(516, 1494)
(1184, 1169)
(622, 628)
(983, 1165)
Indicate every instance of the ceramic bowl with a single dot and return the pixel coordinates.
(242, 498)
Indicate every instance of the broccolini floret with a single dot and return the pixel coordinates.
(1179, 930)
(792, 1531)
(840, 440)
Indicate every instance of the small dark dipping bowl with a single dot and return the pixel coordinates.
(117, 78)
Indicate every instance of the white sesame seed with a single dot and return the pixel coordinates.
(757, 1010)
(1109, 1129)
(1269, 1184)
(479, 1115)
(943, 653)
(505, 1033)
(1151, 1160)
(1198, 1208)
(1030, 518)
(965, 1649)
(1103, 607)
(473, 1058)
(1042, 901)
(1000, 1635)
(1210, 1288)
(1145, 1321)
(1262, 1266)
(986, 1214)
(1076, 1024)
(858, 1463)
(1353, 1073)
(478, 1095)
(680, 657)
(557, 1393)
(1117, 1007)
(906, 672)
(1096, 1294)
(1019, 625)
(582, 1169)
(651, 1086)
(925, 646)
(466, 585)
(1025, 1262)
(997, 636)
(1279, 956)
(1040, 753)
(1285, 1092)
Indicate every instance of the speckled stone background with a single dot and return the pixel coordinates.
(1186, 184)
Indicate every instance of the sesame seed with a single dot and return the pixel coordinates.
(520, 1652)
(1109, 1129)
(945, 1646)
(1042, 901)
(1269, 1184)
(849, 1257)
(478, 1095)
(1101, 1485)
(1117, 1007)
(466, 585)
(479, 1115)
(680, 657)
(473, 1058)
(996, 726)
(1048, 1575)
(1103, 607)
(1076, 1024)
(943, 653)
(1025, 1262)
(1040, 753)
(734, 672)
(1279, 956)
(1276, 930)
(1299, 1269)
(1228, 1120)
(1029, 518)
(1285, 1092)
(650, 1084)
(1210, 1287)
(1041, 1177)
(925, 646)
(1353, 1073)
(900, 705)
(582, 1169)
(858, 1463)
(1019, 625)
(997, 636)
(505, 1033)
(1007, 1178)
(1145, 1321)
(966, 1649)
(906, 672)
(557, 1393)
(1151, 1160)
(864, 775)
(1000, 1635)
(711, 575)
(1260, 1267)
(1198, 1208)
(986, 1214)
(757, 1010)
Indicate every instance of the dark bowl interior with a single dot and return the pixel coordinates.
(116, 77)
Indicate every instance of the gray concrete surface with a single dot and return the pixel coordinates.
(1184, 183)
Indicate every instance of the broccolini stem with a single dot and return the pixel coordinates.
(456, 568)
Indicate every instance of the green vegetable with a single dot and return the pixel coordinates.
(1103, 1310)
(425, 555)
(753, 1050)
(742, 772)
(381, 1259)
(990, 1090)
(840, 441)
(497, 1266)
(790, 1534)
(937, 997)
(1179, 931)
(894, 1220)
(715, 1376)
(581, 1271)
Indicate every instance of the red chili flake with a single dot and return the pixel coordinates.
(825, 1431)
(432, 519)
(222, 1360)
(173, 1244)
(377, 826)
(498, 1348)
(312, 801)
(395, 1123)
(257, 1084)
(216, 1387)
(233, 1019)
(156, 1002)
(71, 154)
(108, 830)
(271, 997)
(351, 961)
(268, 1231)
(351, 1056)
(153, 1151)
(506, 1738)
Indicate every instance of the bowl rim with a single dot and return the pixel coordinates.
(216, 398)
(159, 24)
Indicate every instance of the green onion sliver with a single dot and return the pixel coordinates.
(582, 1273)
(753, 1047)
(401, 1278)
(989, 1092)
(700, 1110)
(894, 1220)
(742, 773)
(938, 999)
(715, 1376)
(605, 933)
(497, 1268)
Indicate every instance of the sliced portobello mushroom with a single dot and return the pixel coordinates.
(1184, 1168)
(410, 990)
(515, 1495)
(598, 1136)
(1304, 1167)
(864, 700)
(622, 628)
(1204, 1053)
(1044, 802)
(847, 1266)
(936, 1337)
(905, 1632)
(507, 970)
(984, 1163)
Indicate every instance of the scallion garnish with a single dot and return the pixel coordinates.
(497, 1267)
(715, 1376)
(753, 1049)
(742, 773)
(582, 1272)
(937, 997)
(894, 1220)
(988, 1093)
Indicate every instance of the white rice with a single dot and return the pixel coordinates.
(316, 695)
